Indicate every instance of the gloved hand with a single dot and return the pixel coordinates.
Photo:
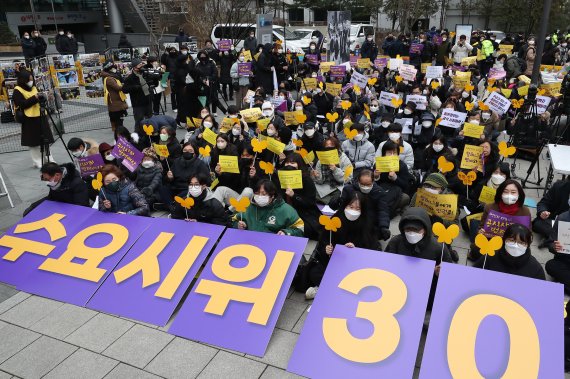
(385, 234)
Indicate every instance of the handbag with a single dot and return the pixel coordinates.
(6, 117)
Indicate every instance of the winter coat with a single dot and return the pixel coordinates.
(361, 154)
(555, 200)
(33, 128)
(72, 189)
(40, 46)
(250, 44)
(406, 155)
(369, 50)
(133, 87)
(526, 265)
(263, 72)
(169, 61)
(114, 86)
(207, 70)
(275, 217)
(327, 181)
(226, 179)
(530, 57)
(402, 181)
(460, 52)
(304, 201)
(28, 47)
(243, 81)
(148, 181)
(183, 170)
(63, 44)
(127, 199)
(73, 45)
(313, 143)
(206, 209)
(442, 52)
(226, 62)
(377, 200)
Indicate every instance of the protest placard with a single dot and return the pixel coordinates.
(209, 136)
(290, 179)
(290, 118)
(244, 69)
(473, 130)
(497, 73)
(498, 103)
(434, 72)
(224, 45)
(275, 146)
(161, 150)
(363, 63)
(337, 72)
(326, 66)
(333, 88)
(452, 119)
(444, 206)
(496, 223)
(328, 157)
(229, 164)
(542, 103)
(130, 156)
(424, 67)
(380, 63)
(420, 101)
(359, 79)
(416, 48)
(309, 83)
(472, 157)
(408, 72)
(251, 114)
(487, 195)
(388, 163)
(386, 98)
(395, 63)
(564, 236)
(90, 165)
(505, 49)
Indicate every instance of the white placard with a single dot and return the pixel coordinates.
(395, 63)
(498, 103)
(452, 118)
(420, 101)
(386, 98)
(564, 236)
(542, 102)
(408, 72)
(359, 79)
(434, 72)
(406, 124)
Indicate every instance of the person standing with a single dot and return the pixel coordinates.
(124, 42)
(181, 37)
(40, 44)
(28, 47)
(168, 63)
(62, 43)
(250, 43)
(74, 47)
(226, 61)
(139, 91)
(369, 48)
(264, 69)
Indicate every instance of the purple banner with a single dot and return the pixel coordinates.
(437, 40)
(353, 60)
(81, 261)
(496, 222)
(90, 165)
(224, 45)
(494, 322)
(335, 343)
(150, 291)
(337, 71)
(380, 63)
(130, 156)
(244, 69)
(416, 48)
(312, 59)
(497, 73)
(236, 306)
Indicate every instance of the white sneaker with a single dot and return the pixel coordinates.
(311, 293)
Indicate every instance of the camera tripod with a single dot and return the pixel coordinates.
(45, 148)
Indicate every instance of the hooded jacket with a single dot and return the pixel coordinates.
(377, 198)
(360, 153)
(525, 265)
(127, 199)
(72, 189)
(206, 208)
(275, 217)
(183, 170)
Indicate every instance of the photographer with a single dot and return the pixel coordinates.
(35, 127)
(139, 90)
(152, 74)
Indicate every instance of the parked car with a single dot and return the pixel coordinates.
(358, 34)
(500, 35)
(239, 32)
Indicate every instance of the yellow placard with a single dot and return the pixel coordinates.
(275, 146)
(472, 157)
(209, 136)
(290, 118)
(256, 56)
(505, 49)
(215, 182)
(262, 123)
(552, 89)
(334, 88)
(424, 67)
(461, 79)
(251, 114)
(290, 179)
(473, 216)
(363, 62)
(524, 78)
(193, 122)
(309, 157)
(229, 163)
(388, 163)
(247, 55)
(227, 124)
(466, 62)
(161, 150)
(328, 157)
(523, 91)
(326, 66)
(487, 195)
(309, 83)
(506, 92)
(444, 206)
(473, 130)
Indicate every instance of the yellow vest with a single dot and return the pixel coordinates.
(106, 92)
(34, 110)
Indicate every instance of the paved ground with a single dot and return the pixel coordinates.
(41, 337)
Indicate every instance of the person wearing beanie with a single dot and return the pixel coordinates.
(114, 97)
(105, 151)
(312, 139)
(141, 97)
(422, 135)
(416, 240)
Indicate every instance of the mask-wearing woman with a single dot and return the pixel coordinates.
(120, 195)
(184, 167)
(149, 177)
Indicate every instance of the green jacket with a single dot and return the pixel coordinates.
(271, 219)
(487, 48)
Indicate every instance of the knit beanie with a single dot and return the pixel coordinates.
(436, 180)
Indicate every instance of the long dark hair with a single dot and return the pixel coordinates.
(501, 188)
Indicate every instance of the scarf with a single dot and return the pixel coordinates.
(144, 85)
(510, 210)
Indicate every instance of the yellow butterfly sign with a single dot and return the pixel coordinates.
(350, 133)
(240, 205)
(258, 146)
(443, 165)
(505, 150)
(148, 129)
(161, 150)
(443, 234)
(204, 151)
(187, 202)
(267, 167)
(467, 179)
(308, 156)
(332, 117)
(486, 246)
(97, 183)
(330, 224)
(348, 172)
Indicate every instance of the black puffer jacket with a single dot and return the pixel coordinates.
(183, 170)
(555, 200)
(148, 181)
(377, 199)
(205, 209)
(526, 265)
(72, 190)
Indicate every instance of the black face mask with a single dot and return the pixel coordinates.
(245, 161)
(289, 168)
(172, 53)
(203, 59)
(187, 156)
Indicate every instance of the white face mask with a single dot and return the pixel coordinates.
(351, 214)
(369, 38)
(345, 121)
(475, 122)
(78, 154)
(241, 58)
(407, 111)
(298, 108)
(432, 191)
(426, 124)
(109, 157)
(147, 164)
(514, 249)
(509, 199)
(310, 132)
(271, 132)
(114, 70)
(268, 112)
(236, 132)
(394, 136)
(485, 116)
(497, 179)
(413, 237)
(300, 132)
(30, 84)
(164, 137)
(374, 108)
(358, 137)
(364, 189)
(184, 52)
(207, 124)
(60, 33)
(280, 51)
(464, 94)
(425, 92)
(385, 124)
(52, 184)
(195, 191)
(261, 200)
(221, 145)
(437, 148)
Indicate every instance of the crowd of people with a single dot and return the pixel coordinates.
(334, 141)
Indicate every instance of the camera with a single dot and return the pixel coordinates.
(151, 75)
(42, 99)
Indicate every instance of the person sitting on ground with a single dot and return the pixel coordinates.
(183, 168)
(553, 203)
(329, 179)
(559, 266)
(119, 194)
(167, 136)
(406, 151)
(149, 177)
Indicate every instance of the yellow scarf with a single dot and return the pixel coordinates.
(34, 110)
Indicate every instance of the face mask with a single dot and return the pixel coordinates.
(241, 59)
(271, 132)
(53, 184)
(476, 122)
(300, 132)
(509, 199)
(313, 76)
(345, 121)
(70, 35)
(30, 84)
(281, 97)
(564, 44)
(109, 157)
(164, 137)
(268, 113)
(374, 108)
(60, 33)
(432, 190)
(464, 94)
(497, 179)
(226, 53)
(186, 155)
(312, 47)
(113, 186)
(444, 39)
(261, 200)
(426, 124)
(78, 154)
(425, 92)
(298, 108)
(385, 124)
(407, 111)
(514, 249)
(351, 214)
(195, 191)
(147, 164)
(236, 132)
(221, 145)
(184, 52)
(27, 37)
(531, 43)
(208, 124)
(317, 91)
(437, 148)
(485, 116)
(413, 237)
(114, 70)
(364, 189)
(394, 136)
(280, 51)
(310, 132)
(358, 137)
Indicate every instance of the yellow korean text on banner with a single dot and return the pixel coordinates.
(444, 206)
(552, 89)
(290, 179)
(275, 146)
(388, 163)
(251, 114)
(262, 123)
(334, 89)
(424, 67)
(505, 49)
(326, 66)
(290, 118)
(229, 164)
(466, 62)
(161, 150)
(308, 157)
(363, 63)
(309, 83)
(209, 136)
(328, 157)
(471, 158)
(247, 55)
(227, 124)
(487, 195)
(473, 130)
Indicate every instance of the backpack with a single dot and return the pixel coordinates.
(514, 64)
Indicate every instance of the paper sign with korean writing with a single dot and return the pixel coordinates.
(434, 72)
(275, 146)
(552, 89)
(473, 130)
(367, 318)
(496, 223)
(90, 165)
(497, 73)
(250, 115)
(328, 157)
(290, 179)
(468, 61)
(386, 98)
(363, 63)
(444, 206)
(395, 63)
(291, 117)
(130, 156)
(564, 236)
(237, 299)
(209, 136)
(359, 79)
(152, 278)
(420, 101)
(224, 45)
(460, 82)
(229, 164)
(244, 69)
(380, 63)
(353, 60)
(408, 72)
(309, 83)
(487, 195)
(337, 71)
(505, 49)
(494, 325)
(472, 157)
(542, 103)
(424, 67)
(498, 103)
(452, 119)
(334, 88)
(312, 59)
(388, 163)
(161, 150)
(416, 48)
(326, 66)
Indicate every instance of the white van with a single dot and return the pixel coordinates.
(358, 34)
(240, 32)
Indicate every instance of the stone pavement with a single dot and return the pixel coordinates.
(40, 337)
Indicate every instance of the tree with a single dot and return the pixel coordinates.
(408, 11)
